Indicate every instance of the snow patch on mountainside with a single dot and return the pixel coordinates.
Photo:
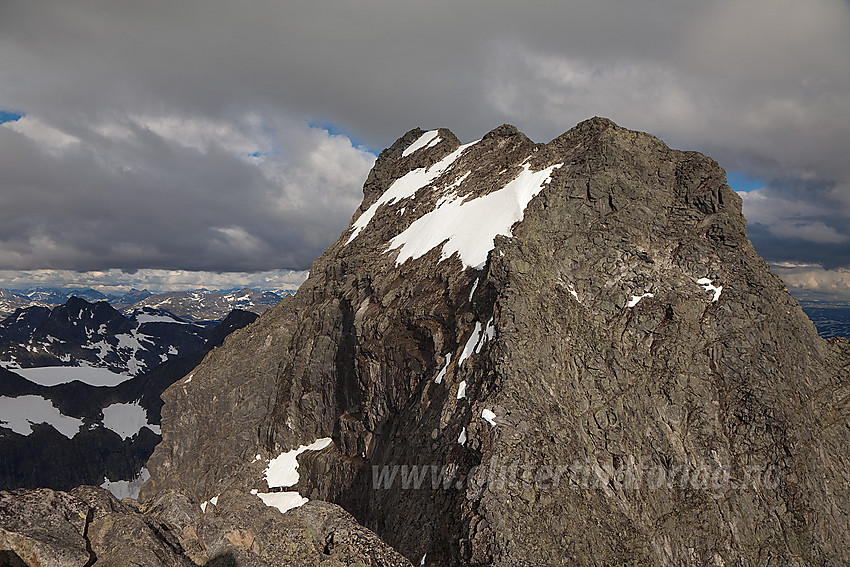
(127, 488)
(474, 287)
(489, 416)
(283, 470)
(426, 140)
(468, 227)
(103, 348)
(471, 343)
(143, 318)
(283, 501)
(442, 372)
(132, 342)
(707, 285)
(636, 299)
(21, 413)
(479, 336)
(406, 186)
(54, 375)
(461, 390)
(205, 503)
(127, 419)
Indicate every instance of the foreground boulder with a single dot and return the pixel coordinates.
(88, 526)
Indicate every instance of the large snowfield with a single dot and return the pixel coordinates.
(54, 375)
(21, 413)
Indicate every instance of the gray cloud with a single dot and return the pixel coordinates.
(142, 117)
(174, 193)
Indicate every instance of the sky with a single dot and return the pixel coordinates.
(230, 140)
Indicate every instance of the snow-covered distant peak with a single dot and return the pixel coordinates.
(161, 317)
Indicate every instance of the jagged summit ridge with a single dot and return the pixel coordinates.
(463, 222)
(618, 317)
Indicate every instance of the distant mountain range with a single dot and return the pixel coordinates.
(80, 389)
(81, 375)
(196, 306)
(80, 333)
(203, 305)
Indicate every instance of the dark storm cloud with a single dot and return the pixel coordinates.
(145, 200)
(141, 117)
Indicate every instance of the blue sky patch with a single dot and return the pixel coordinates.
(9, 116)
(741, 182)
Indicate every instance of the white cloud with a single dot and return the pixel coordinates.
(243, 136)
(176, 192)
(46, 136)
(815, 278)
(239, 239)
(812, 231)
(117, 281)
(532, 87)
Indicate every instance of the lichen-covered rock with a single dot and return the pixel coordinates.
(45, 528)
(533, 354)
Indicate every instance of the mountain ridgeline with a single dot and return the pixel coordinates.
(197, 306)
(517, 354)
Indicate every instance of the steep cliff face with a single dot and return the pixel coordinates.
(569, 353)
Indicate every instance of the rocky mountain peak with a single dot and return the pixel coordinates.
(588, 304)
(503, 131)
(527, 353)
